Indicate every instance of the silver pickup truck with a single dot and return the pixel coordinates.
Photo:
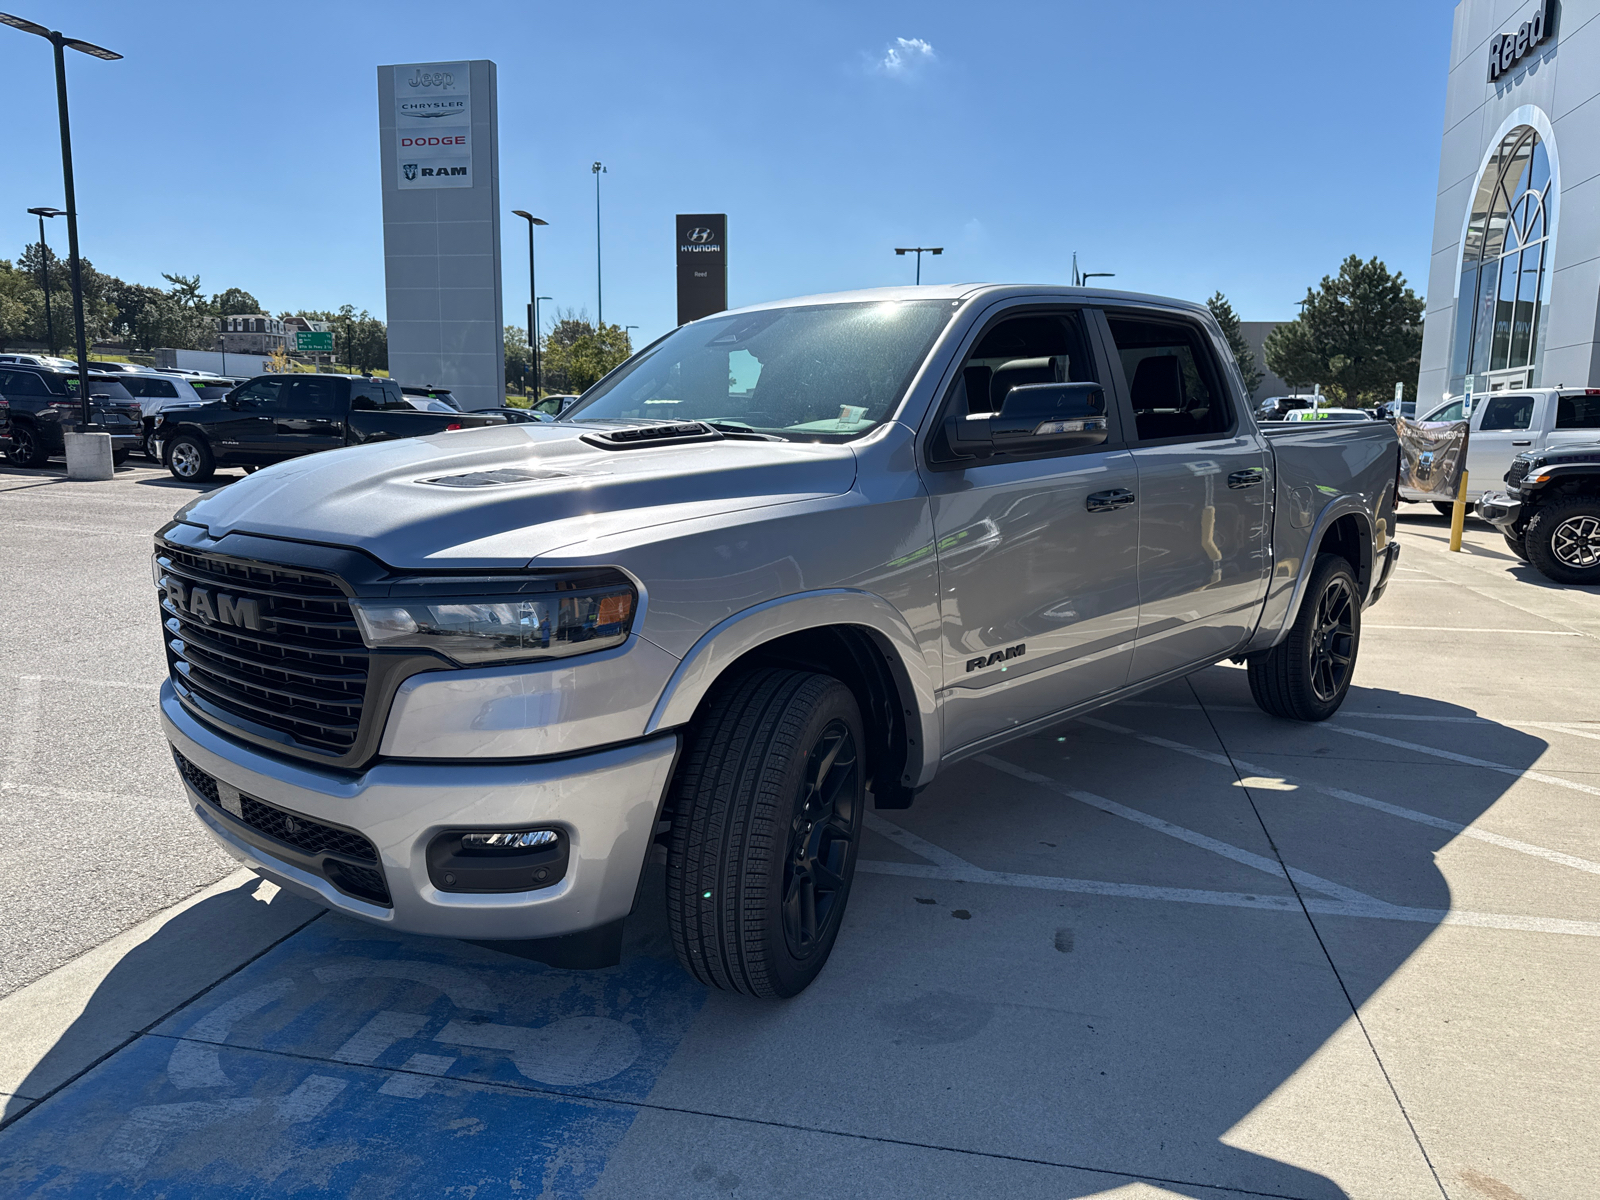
(784, 558)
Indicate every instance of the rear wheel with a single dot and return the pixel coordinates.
(26, 449)
(189, 459)
(1306, 676)
(118, 457)
(1446, 508)
(766, 821)
(1563, 540)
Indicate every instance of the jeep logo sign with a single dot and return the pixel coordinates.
(1508, 49)
(224, 610)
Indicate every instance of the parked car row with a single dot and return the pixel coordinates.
(42, 404)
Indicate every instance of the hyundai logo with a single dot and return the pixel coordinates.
(698, 237)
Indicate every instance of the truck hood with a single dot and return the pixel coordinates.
(505, 495)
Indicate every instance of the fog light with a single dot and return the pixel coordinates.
(530, 839)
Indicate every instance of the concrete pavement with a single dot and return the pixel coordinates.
(1175, 949)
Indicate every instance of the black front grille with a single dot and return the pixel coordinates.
(272, 650)
(312, 838)
(1518, 472)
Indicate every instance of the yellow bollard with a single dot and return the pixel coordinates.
(1458, 514)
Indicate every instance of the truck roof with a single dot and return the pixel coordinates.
(965, 291)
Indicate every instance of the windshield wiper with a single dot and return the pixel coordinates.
(737, 429)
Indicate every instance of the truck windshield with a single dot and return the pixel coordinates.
(827, 373)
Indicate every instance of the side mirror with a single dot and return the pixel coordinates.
(1035, 417)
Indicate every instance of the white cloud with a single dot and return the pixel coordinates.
(904, 56)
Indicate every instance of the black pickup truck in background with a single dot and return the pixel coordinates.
(43, 404)
(276, 417)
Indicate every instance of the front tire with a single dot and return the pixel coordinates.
(1514, 543)
(26, 449)
(1306, 676)
(766, 821)
(190, 459)
(1563, 540)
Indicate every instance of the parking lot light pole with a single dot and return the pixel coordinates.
(919, 251)
(599, 169)
(59, 41)
(44, 270)
(535, 307)
(533, 290)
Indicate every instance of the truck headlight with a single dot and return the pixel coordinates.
(552, 617)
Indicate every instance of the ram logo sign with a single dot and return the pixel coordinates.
(999, 656)
(214, 609)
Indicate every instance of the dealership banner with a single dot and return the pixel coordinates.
(433, 125)
(1431, 455)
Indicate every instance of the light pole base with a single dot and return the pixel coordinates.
(89, 456)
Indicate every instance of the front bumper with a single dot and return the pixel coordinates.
(1500, 509)
(607, 803)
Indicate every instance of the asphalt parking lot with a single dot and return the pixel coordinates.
(1175, 949)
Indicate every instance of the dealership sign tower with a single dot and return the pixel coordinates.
(439, 143)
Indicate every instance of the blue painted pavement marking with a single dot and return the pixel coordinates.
(353, 1062)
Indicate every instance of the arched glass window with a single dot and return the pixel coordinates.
(1505, 265)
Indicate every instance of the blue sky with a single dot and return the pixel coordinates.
(1185, 146)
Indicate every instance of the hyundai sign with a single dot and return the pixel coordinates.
(702, 241)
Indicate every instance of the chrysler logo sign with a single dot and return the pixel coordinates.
(1508, 49)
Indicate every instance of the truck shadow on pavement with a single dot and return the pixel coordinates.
(1054, 997)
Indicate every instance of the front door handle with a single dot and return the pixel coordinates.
(1527, 443)
(1109, 500)
(1247, 478)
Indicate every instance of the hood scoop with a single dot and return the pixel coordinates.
(639, 436)
(499, 478)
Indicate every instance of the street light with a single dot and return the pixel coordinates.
(599, 169)
(533, 309)
(44, 270)
(1088, 275)
(59, 40)
(533, 329)
(919, 251)
(625, 329)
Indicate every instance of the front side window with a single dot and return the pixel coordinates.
(1507, 412)
(1450, 412)
(261, 395)
(1173, 384)
(826, 374)
(1505, 263)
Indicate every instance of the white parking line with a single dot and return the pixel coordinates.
(1393, 810)
(1375, 910)
(1269, 866)
(1575, 728)
(1467, 629)
(1502, 768)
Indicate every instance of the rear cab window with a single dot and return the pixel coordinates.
(1578, 412)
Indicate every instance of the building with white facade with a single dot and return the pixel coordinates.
(1514, 283)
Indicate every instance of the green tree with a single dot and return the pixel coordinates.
(519, 361)
(98, 312)
(1243, 356)
(360, 339)
(186, 291)
(576, 354)
(234, 301)
(1357, 335)
(17, 301)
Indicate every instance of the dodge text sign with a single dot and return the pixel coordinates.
(702, 241)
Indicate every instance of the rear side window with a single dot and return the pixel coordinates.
(1578, 412)
(22, 383)
(1508, 412)
(158, 389)
(1173, 384)
(321, 396)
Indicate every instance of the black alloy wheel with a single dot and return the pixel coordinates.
(825, 826)
(150, 448)
(1333, 647)
(1563, 539)
(766, 809)
(1307, 675)
(26, 449)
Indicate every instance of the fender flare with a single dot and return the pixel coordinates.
(736, 636)
(1347, 505)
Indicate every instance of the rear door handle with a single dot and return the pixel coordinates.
(1109, 500)
(1246, 478)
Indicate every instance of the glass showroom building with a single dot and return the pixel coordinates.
(1514, 284)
